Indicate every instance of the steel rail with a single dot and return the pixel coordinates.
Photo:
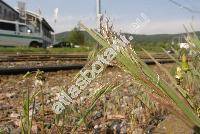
(23, 70)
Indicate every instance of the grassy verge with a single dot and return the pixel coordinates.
(150, 48)
(41, 50)
(156, 48)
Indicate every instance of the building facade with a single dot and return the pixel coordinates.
(7, 12)
(31, 25)
(39, 25)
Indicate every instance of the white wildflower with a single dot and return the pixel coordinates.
(184, 45)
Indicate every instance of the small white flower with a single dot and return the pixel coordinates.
(184, 45)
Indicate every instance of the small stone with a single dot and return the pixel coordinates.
(5, 107)
(16, 131)
(96, 129)
(14, 115)
(82, 99)
(17, 122)
(10, 95)
(123, 127)
(118, 129)
(2, 96)
(34, 129)
(97, 115)
(138, 131)
(48, 101)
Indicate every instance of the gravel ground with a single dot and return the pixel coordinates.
(12, 87)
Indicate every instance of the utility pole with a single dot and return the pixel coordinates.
(55, 21)
(98, 8)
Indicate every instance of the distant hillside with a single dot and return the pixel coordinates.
(64, 35)
(138, 39)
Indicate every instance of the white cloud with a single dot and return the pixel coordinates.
(168, 27)
(69, 22)
(158, 27)
(153, 27)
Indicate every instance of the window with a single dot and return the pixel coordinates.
(7, 26)
(10, 15)
(5, 12)
(13, 16)
(0, 10)
(22, 28)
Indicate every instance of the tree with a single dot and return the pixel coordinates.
(76, 37)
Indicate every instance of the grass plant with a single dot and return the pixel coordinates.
(158, 89)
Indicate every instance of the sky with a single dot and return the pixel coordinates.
(164, 17)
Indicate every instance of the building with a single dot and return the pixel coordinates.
(7, 12)
(31, 25)
(38, 24)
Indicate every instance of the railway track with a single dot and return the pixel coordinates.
(23, 70)
(160, 57)
(41, 57)
(55, 57)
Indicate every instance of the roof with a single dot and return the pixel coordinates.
(47, 24)
(33, 14)
(9, 6)
(40, 17)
